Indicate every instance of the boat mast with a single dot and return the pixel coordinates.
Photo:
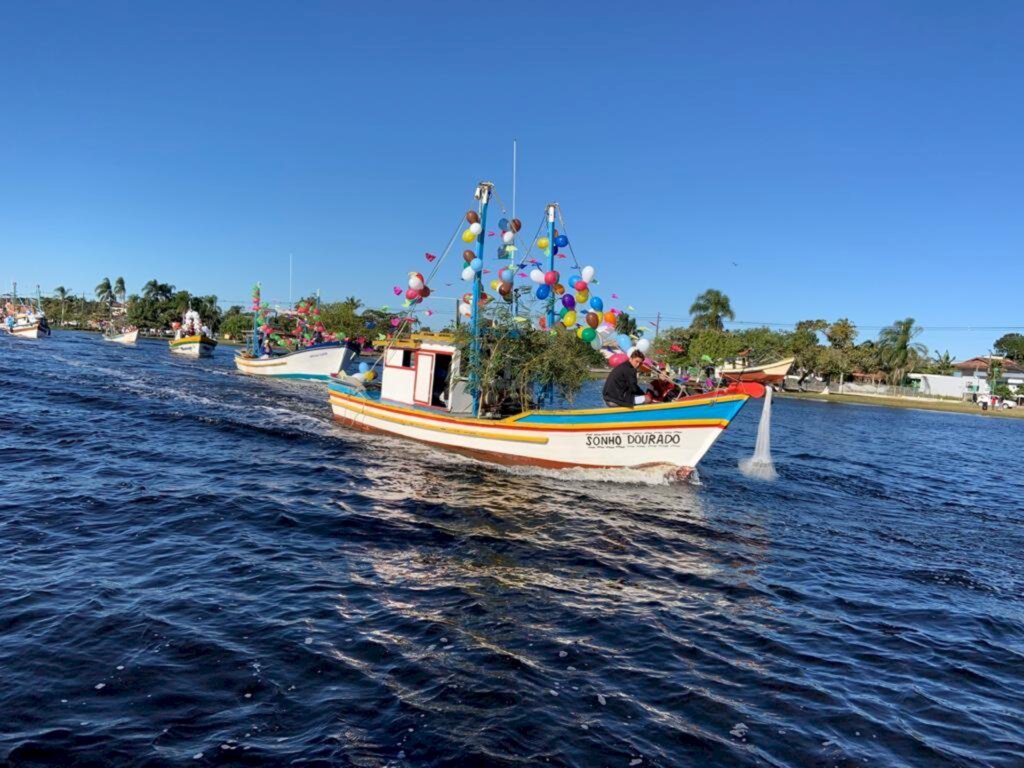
(551, 261)
(256, 323)
(483, 196)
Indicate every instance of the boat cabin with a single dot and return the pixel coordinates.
(423, 371)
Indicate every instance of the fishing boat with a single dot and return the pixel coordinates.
(191, 337)
(25, 322)
(426, 393)
(766, 373)
(309, 353)
(127, 336)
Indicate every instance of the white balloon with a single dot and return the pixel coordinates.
(415, 283)
(468, 273)
(537, 276)
(595, 342)
(465, 309)
(475, 228)
(587, 274)
(643, 345)
(604, 330)
(508, 237)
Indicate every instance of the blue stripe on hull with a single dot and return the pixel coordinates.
(639, 416)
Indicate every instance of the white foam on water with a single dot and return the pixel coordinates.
(760, 465)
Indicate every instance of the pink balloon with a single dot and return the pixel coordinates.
(551, 277)
(412, 294)
(617, 359)
(580, 285)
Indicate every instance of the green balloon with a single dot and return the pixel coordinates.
(588, 335)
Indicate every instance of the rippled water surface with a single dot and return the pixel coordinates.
(198, 568)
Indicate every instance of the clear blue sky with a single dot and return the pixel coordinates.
(859, 159)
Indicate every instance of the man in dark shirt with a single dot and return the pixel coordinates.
(621, 389)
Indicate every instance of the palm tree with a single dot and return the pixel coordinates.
(899, 352)
(625, 324)
(942, 364)
(62, 294)
(154, 289)
(104, 291)
(119, 289)
(710, 309)
(352, 303)
(841, 334)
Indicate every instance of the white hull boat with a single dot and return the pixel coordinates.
(316, 362)
(193, 346)
(129, 337)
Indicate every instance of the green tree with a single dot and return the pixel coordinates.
(710, 310)
(941, 364)
(104, 291)
(1010, 345)
(841, 334)
(624, 324)
(899, 353)
(119, 290)
(805, 347)
(61, 293)
(156, 290)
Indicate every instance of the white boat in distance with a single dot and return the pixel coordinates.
(128, 337)
(316, 362)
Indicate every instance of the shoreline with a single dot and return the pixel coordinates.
(943, 406)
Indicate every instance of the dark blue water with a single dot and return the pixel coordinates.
(198, 568)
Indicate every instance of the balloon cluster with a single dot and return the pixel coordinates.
(417, 290)
(366, 373)
(471, 233)
(466, 305)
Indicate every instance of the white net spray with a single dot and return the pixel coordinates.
(760, 465)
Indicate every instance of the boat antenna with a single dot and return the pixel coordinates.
(483, 196)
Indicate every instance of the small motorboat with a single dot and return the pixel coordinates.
(766, 373)
(125, 337)
(191, 337)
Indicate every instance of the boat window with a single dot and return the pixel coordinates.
(408, 359)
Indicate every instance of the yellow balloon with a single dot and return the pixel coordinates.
(495, 284)
(543, 242)
(468, 237)
(570, 319)
(583, 297)
(579, 333)
(369, 376)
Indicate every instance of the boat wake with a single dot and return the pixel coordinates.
(659, 474)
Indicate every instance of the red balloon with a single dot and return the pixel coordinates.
(580, 285)
(472, 217)
(515, 225)
(617, 359)
(412, 294)
(424, 292)
(551, 277)
(505, 289)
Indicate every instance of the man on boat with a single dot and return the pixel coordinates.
(621, 389)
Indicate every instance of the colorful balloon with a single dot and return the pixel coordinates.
(364, 367)
(505, 289)
(569, 320)
(508, 238)
(624, 341)
(597, 304)
(588, 335)
(543, 292)
(495, 283)
(559, 289)
(543, 243)
(468, 237)
(472, 217)
(416, 281)
(502, 224)
(551, 277)
(593, 319)
(476, 265)
(644, 345)
(568, 302)
(617, 359)
(583, 297)
(468, 255)
(476, 228)
(588, 274)
(370, 375)
(507, 275)
(561, 241)
(609, 317)
(537, 276)
(412, 294)
(468, 273)
(424, 292)
(579, 284)
(515, 225)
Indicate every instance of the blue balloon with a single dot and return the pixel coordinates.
(571, 285)
(624, 342)
(561, 241)
(596, 304)
(543, 291)
(554, 250)
(476, 264)
(503, 224)
(363, 367)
